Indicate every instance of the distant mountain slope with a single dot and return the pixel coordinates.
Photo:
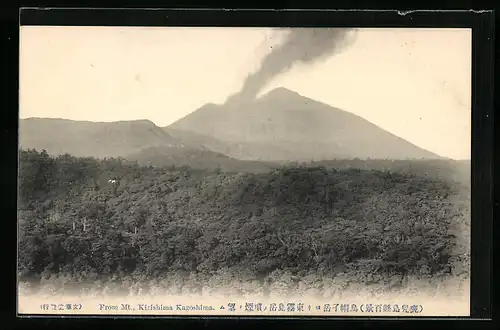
(194, 139)
(283, 125)
(165, 156)
(96, 139)
(237, 150)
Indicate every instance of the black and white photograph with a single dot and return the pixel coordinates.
(244, 170)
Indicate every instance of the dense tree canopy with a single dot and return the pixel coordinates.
(295, 220)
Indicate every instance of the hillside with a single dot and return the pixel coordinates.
(194, 157)
(308, 223)
(92, 139)
(283, 125)
(239, 150)
(441, 169)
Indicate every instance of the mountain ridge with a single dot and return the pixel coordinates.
(157, 147)
(201, 159)
(86, 138)
(281, 125)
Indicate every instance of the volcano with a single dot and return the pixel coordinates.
(283, 125)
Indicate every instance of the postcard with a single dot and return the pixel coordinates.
(244, 171)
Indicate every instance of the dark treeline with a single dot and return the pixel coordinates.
(303, 220)
(444, 169)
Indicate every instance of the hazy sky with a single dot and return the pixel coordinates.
(414, 83)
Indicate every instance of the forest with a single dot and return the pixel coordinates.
(107, 223)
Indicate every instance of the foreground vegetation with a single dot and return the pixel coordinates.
(294, 229)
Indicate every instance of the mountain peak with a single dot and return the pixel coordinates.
(208, 106)
(281, 92)
(282, 124)
(137, 121)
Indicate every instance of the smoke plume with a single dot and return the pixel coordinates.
(301, 46)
